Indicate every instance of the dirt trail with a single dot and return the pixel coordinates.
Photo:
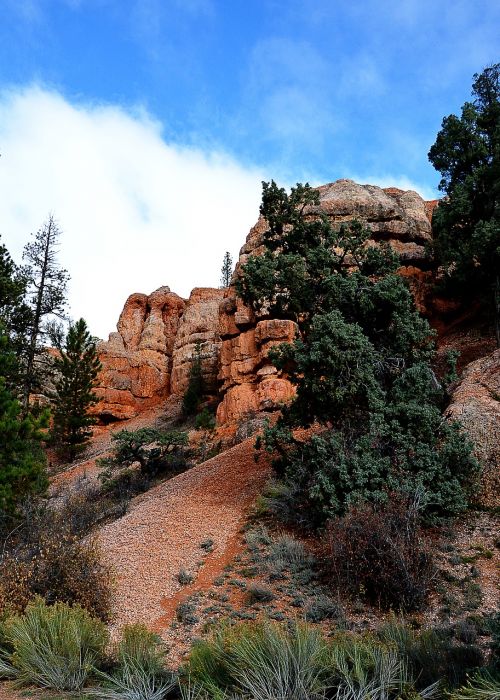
(163, 531)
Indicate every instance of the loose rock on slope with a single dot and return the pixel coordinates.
(163, 531)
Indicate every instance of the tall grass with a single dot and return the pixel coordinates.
(364, 670)
(481, 686)
(260, 661)
(273, 663)
(140, 673)
(55, 647)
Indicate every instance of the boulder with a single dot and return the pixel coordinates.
(476, 404)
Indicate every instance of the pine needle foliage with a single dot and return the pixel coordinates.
(77, 366)
(22, 460)
(361, 365)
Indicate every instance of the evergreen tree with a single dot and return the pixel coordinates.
(22, 460)
(77, 368)
(47, 295)
(226, 271)
(360, 366)
(194, 391)
(15, 314)
(466, 224)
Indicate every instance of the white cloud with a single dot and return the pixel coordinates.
(136, 212)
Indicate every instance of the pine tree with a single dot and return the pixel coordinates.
(466, 224)
(15, 314)
(77, 367)
(360, 364)
(47, 295)
(22, 460)
(226, 271)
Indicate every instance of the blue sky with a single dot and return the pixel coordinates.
(115, 113)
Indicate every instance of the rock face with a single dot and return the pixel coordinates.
(149, 357)
(199, 327)
(476, 404)
(137, 359)
(249, 382)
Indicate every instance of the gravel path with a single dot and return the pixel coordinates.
(163, 531)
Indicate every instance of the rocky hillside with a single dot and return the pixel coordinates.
(149, 357)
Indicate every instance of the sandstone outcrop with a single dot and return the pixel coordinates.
(476, 404)
(149, 357)
(198, 328)
(137, 359)
(249, 382)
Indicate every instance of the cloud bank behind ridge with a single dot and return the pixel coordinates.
(136, 212)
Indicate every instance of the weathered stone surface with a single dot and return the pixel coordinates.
(476, 404)
(136, 360)
(199, 327)
(239, 402)
(248, 382)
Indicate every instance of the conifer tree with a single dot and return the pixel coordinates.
(77, 368)
(47, 282)
(226, 271)
(360, 364)
(466, 224)
(15, 314)
(22, 460)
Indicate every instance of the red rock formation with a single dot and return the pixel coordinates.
(150, 355)
(476, 404)
(199, 325)
(249, 383)
(136, 360)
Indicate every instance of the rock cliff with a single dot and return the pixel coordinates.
(150, 355)
(476, 404)
(249, 382)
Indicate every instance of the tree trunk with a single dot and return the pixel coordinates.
(35, 331)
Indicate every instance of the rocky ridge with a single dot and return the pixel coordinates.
(149, 357)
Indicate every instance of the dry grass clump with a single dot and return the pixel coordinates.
(54, 647)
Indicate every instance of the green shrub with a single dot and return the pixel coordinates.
(140, 673)
(482, 686)
(432, 655)
(204, 420)
(156, 451)
(55, 646)
(256, 593)
(184, 577)
(323, 608)
(185, 612)
(196, 386)
(261, 661)
(289, 552)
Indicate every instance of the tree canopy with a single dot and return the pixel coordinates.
(77, 367)
(361, 366)
(466, 223)
(22, 461)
